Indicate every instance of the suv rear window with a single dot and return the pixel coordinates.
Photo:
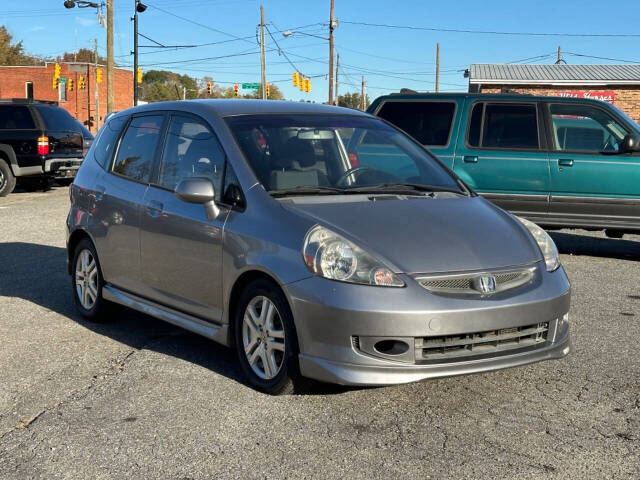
(503, 125)
(56, 118)
(14, 117)
(428, 122)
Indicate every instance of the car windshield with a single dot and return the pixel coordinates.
(313, 154)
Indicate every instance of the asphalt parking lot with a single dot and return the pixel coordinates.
(136, 398)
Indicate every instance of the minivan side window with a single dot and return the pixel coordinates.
(504, 125)
(585, 128)
(191, 150)
(137, 148)
(428, 122)
(106, 142)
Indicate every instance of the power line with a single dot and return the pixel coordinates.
(602, 58)
(495, 32)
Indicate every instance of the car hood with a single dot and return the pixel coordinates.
(426, 235)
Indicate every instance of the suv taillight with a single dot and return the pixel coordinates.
(43, 145)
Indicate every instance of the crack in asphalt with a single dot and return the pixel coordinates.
(113, 370)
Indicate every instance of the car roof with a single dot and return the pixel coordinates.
(481, 96)
(229, 107)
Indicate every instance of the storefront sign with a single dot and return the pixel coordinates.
(608, 96)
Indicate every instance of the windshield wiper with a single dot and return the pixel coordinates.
(403, 188)
(302, 190)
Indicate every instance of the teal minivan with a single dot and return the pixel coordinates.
(560, 162)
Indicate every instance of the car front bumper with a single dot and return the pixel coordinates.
(329, 315)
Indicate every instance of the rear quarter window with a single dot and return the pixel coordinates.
(56, 118)
(428, 122)
(107, 139)
(14, 117)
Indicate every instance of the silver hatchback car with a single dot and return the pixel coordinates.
(317, 241)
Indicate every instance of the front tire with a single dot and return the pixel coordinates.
(7, 180)
(87, 282)
(265, 338)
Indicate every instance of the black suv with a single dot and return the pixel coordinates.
(39, 141)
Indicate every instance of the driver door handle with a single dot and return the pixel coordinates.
(470, 159)
(565, 162)
(154, 208)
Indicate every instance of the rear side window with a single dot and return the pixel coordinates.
(105, 145)
(137, 148)
(14, 117)
(428, 122)
(510, 126)
(56, 118)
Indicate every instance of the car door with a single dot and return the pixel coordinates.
(502, 155)
(120, 190)
(592, 181)
(181, 249)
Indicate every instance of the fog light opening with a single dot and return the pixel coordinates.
(391, 347)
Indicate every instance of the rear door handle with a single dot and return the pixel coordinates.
(470, 159)
(100, 189)
(154, 208)
(565, 162)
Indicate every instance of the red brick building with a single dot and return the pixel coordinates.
(617, 84)
(37, 82)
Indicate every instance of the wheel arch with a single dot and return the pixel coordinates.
(75, 238)
(7, 154)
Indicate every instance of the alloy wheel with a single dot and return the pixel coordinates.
(86, 279)
(2, 179)
(263, 337)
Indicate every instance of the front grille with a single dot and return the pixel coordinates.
(480, 343)
(470, 283)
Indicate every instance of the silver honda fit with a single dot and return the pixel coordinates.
(317, 241)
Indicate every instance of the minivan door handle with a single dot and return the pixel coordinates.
(470, 159)
(565, 162)
(154, 208)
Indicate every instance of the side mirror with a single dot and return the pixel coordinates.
(631, 143)
(199, 190)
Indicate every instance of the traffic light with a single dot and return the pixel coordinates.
(56, 76)
(69, 84)
(81, 84)
(296, 79)
(307, 84)
(268, 90)
(55, 83)
(99, 75)
(209, 88)
(139, 75)
(301, 83)
(235, 90)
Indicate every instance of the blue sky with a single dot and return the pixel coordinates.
(389, 58)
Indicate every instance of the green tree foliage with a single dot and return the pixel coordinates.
(352, 100)
(13, 53)
(160, 85)
(83, 55)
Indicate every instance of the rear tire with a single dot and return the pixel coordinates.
(265, 339)
(7, 180)
(87, 283)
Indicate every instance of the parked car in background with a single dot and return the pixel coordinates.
(560, 162)
(39, 141)
(250, 223)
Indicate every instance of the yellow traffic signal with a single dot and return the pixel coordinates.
(235, 90)
(139, 75)
(296, 79)
(301, 83)
(307, 84)
(56, 71)
(209, 88)
(268, 90)
(55, 83)
(81, 84)
(69, 84)
(99, 75)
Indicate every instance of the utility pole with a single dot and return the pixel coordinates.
(97, 94)
(337, 76)
(437, 67)
(263, 67)
(135, 55)
(331, 27)
(559, 54)
(110, 92)
(363, 94)
(184, 92)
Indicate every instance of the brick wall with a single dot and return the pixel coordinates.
(80, 102)
(627, 99)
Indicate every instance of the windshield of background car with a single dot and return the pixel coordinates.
(336, 151)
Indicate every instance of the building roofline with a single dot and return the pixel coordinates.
(491, 81)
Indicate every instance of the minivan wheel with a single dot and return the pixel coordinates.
(7, 180)
(265, 338)
(87, 282)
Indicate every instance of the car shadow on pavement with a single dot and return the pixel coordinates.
(37, 273)
(576, 244)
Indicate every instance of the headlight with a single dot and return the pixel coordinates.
(331, 256)
(546, 244)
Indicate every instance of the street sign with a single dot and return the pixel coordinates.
(250, 86)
